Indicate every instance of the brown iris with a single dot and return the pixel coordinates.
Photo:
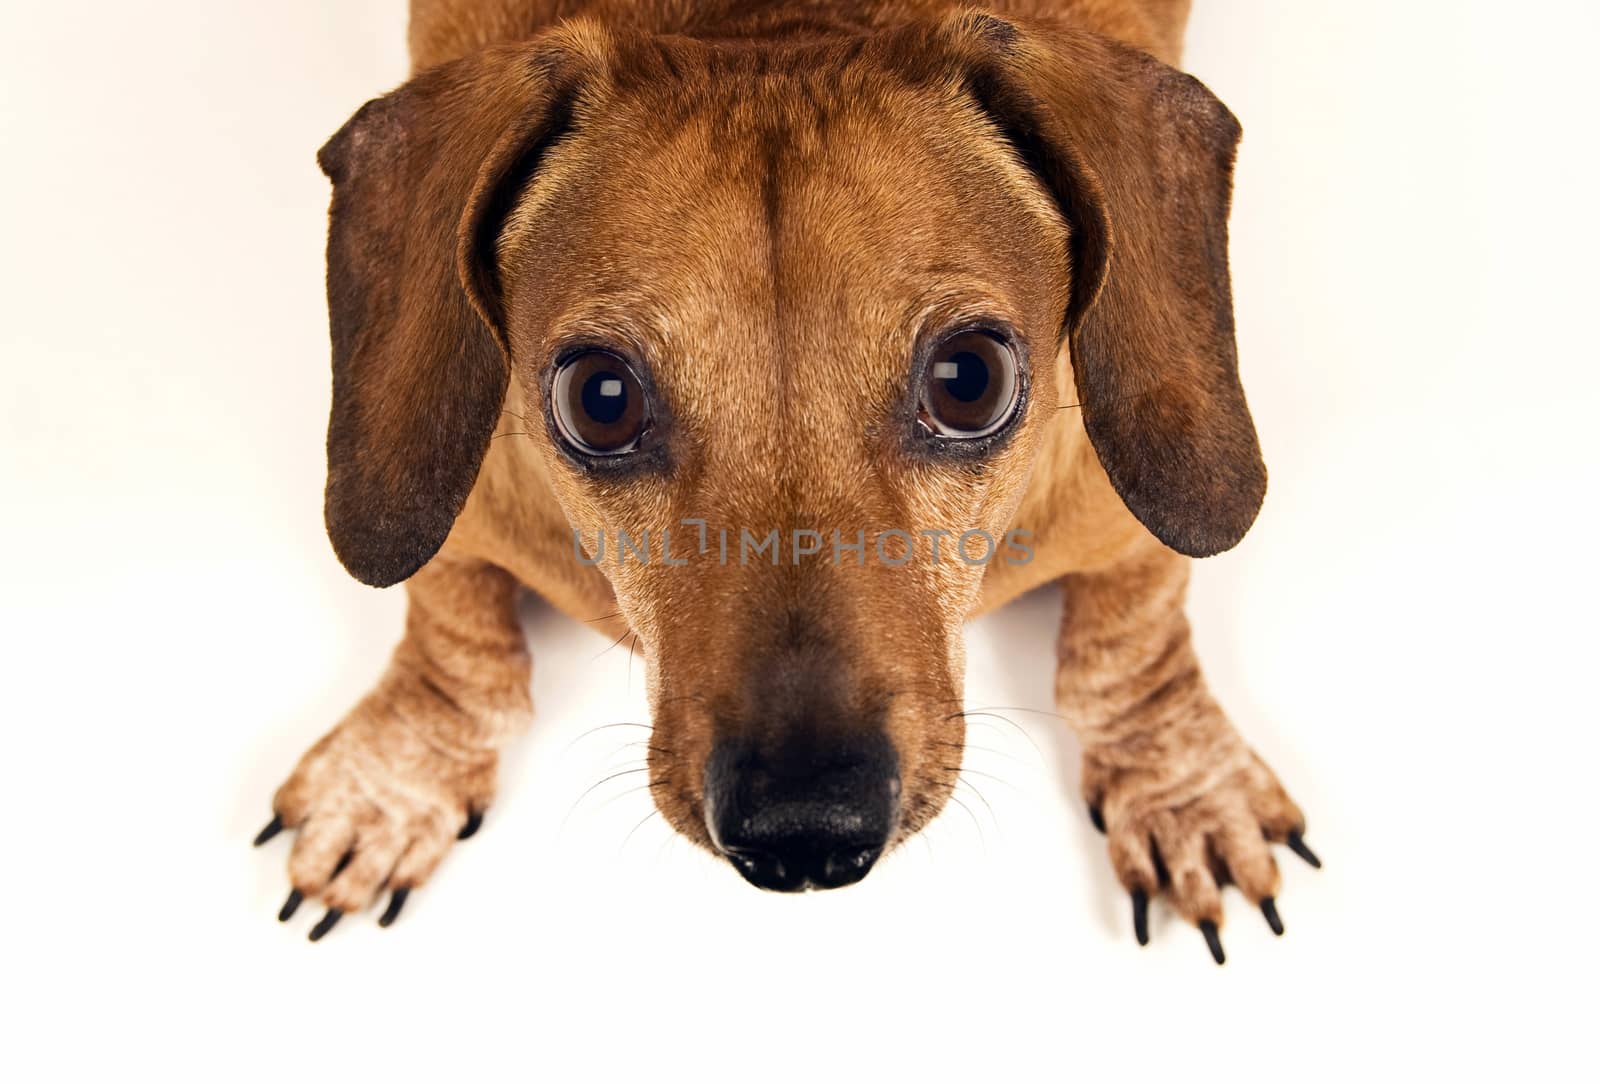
(599, 404)
(970, 389)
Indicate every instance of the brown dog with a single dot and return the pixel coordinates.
(831, 284)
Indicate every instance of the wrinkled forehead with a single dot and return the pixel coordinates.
(765, 219)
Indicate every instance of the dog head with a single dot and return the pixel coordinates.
(794, 321)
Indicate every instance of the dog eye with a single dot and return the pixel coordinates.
(599, 404)
(971, 387)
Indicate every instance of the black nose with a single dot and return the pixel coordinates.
(817, 817)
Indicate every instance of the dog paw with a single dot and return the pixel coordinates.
(376, 803)
(1186, 835)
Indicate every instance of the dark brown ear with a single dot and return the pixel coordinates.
(1139, 157)
(421, 178)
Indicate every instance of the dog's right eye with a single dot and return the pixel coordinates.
(970, 389)
(599, 405)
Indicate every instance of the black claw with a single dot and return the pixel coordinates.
(396, 901)
(1098, 819)
(326, 923)
(1269, 908)
(1141, 917)
(474, 821)
(343, 862)
(274, 826)
(290, 905)
(1297, 844)
(1213, 940)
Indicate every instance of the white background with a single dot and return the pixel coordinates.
(1407, 635)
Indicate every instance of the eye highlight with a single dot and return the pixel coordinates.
(970, 387)
(599, 405)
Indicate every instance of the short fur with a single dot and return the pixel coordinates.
(773, 204)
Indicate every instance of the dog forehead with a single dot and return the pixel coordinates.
(787, 233)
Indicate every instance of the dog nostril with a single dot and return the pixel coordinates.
(848, 866)
(764, 870)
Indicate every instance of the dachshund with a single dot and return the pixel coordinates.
(812, 330)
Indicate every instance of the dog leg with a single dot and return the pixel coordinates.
(382, 796)
(1186, 806)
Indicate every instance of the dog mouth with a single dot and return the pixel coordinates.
(812, 814)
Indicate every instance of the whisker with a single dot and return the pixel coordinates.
(614, 643)
(1121, 398)
(973, 771)
(643, 788)
(973, 748)
(653, 813)
(665, 843)
(984, 843)
(598, 729)
(1030, 711)
(1002, 718)
(981, 798)
(591, 788)
(651, 746)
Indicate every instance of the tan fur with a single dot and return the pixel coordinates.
(752, 297)
(1160, 759)
(395, 781)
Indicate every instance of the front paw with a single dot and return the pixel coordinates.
(1182, 826)
(375, 803)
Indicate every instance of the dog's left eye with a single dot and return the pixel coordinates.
(970, 388)
(599, 405)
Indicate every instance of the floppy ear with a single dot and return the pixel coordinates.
(421, 178)
(1139, 157)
